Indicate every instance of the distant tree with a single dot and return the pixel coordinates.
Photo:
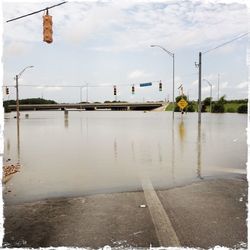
(242, 109)
(190, 107)
(26, 101)
(218, 107)
(207, 101)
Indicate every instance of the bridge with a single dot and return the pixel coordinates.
(90, 106)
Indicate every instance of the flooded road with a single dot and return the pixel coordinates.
(104, 151)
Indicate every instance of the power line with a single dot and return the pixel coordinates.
(223, 44)
(89, 85)
(33, 13)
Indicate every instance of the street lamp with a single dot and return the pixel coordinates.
(210, 93)
(17, 110)
(17, 97)
(172, 55)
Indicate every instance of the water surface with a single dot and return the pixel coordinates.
(107, 151)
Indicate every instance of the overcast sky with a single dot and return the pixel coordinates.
(106, 43)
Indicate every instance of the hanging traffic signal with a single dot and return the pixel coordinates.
(160, 86)
(7, 91)
(133, 89)
(47, 28)
(114, 90)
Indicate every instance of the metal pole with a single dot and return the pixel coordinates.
(173, 87)
(210, 98)
(17, 98)
(218, 87)
(80, 94)
(87, 93)
(199, 99)
(17, 119)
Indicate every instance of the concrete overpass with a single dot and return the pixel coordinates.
(90, 106)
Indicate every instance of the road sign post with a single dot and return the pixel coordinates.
(182, 104)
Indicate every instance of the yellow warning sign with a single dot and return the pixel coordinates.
(182, 103)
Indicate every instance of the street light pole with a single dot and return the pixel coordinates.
(17, 98)
(17, 93)
(172, 55)
(17, 111)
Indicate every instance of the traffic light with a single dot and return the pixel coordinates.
(133, 89)
(160, 86)
(7, 91)
(47, 28)
(114, 90)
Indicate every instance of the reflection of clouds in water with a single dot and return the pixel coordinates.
(160, 153)
(139, 138)
(115, 149)
(146, 156)
(133, 151)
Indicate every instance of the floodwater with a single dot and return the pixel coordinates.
(87, 152)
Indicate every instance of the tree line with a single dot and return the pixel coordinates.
(26, 101)
(220, 106)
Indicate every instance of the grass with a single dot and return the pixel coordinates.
(232, 107)
(169, 107)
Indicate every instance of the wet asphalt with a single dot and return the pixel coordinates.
(204, 214)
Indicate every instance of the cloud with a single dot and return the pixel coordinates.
(16, 49)
(137, 74)
(242, 85)
(224, 85)
(194, 83)
(49, 88)
(132, 25)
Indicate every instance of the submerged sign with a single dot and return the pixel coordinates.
(145, 84)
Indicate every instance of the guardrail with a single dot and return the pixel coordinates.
(89, 106)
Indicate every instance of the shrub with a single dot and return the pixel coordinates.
(242, 109)
(218, 107)
(190, 107)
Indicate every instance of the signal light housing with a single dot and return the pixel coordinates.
(114, 90)
(160, 86)
(47, 28)
(133, 89)
(7, 91)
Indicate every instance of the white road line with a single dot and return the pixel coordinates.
(163, 227)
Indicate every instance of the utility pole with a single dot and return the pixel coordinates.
(199, 100)
(218, 87)
(173, 84)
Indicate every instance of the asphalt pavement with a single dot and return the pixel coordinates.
(203, 214)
